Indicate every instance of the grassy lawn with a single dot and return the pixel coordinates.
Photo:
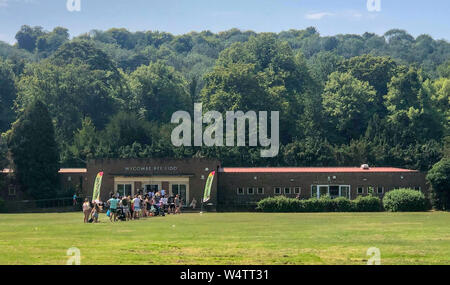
(229, 238)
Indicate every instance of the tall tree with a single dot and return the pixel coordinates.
(347, 103)
(7, 95)
(27, 36)
(439, 178)
(410, 109)
(71, 92)
(377, 71)
(159, 91)
(35, 152)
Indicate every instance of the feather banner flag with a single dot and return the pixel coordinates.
(97, 186)
(208, 186)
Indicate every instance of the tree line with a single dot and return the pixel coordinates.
(343, 100)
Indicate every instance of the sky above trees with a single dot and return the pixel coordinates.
(330, 17)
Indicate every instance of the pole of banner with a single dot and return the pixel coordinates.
(201, 210)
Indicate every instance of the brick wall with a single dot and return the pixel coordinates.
(229, 182)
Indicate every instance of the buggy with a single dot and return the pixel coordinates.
(121, 215)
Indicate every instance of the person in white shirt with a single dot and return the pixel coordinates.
(164, 204)
(137, 207)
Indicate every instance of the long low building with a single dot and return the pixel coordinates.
(231, 186)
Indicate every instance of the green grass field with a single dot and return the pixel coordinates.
(229, 238)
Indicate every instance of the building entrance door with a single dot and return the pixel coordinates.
(151, 188)
(181, 189)
(322, 190)
(334, 191)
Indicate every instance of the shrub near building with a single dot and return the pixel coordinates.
(324, 204)
(405, 200)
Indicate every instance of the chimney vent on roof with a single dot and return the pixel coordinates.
(365, 167)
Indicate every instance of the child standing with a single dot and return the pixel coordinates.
(86, 210)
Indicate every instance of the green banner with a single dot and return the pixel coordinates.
(208, 186)
(97, 186)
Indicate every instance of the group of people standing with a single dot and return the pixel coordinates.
(129, 208)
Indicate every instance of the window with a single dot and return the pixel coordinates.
(260, 191)
(334, 191)
(380, 190)
(360, 190)
(240, 191)
(418, 188)
(297, 190)
(69, 178)
(345, 191)
(12, 190)
(287, 190)
(313, 191)
(180, 189)
(124, 189)
(323, 190)
(277, 190)
(250, 191)
(151, 188)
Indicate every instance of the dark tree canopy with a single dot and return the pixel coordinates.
(35, 152)
(343, 100)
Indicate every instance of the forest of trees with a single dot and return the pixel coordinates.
(344, 100)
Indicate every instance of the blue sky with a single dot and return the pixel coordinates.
(330, 17)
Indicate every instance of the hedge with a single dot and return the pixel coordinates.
(405, 200)
(324, 204)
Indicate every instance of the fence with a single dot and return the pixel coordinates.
(42, 206)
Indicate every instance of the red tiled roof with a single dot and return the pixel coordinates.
(73, 170)
(311, 169)
(62, 170)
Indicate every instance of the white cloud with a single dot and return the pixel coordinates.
(317, 16)
(5, 3)
(345, 14)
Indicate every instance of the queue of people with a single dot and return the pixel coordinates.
(133, 208)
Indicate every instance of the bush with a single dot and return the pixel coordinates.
(405, 200)
(279, 204)
(311, 205)
(367, 204)
(343, 205)
(283, 204)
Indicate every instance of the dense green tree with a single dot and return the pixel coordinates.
(27, 36)
(347, 103)
(85, 142)
(124, 129)
(439, 178)
(83, 52)
(410, 109)
(71, 92)
(322, 85)
(50, 42)
(159, 91)
(440, 96)
(377, 71)
(3, 153)
(323, 64)
(309, 152)
(7, 95)
(260, 75)
(35, 152)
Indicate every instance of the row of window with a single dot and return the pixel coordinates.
(260, 190)
(344, 191)
(378, 189)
